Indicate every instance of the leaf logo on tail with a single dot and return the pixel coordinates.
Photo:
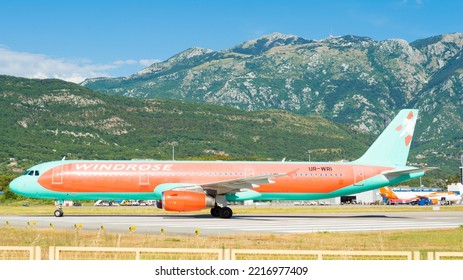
(407, 127)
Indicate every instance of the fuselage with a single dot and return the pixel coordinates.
(83, 180)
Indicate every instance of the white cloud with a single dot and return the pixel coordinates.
(125, 62)
(148, 62)
(30, 65)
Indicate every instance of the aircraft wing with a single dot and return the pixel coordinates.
(235, 185)
(396, 173)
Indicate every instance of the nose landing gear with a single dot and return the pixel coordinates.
(59, 212)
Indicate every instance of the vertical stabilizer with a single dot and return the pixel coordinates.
(392, 146)
(387, 192)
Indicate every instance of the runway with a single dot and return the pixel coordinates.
(245, 224)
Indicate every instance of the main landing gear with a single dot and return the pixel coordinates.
(222, 212)
(220, 209)
(59, 212)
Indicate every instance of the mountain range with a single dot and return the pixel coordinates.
(351, 80)
(43, 120)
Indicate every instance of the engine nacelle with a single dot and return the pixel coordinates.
(183, 201)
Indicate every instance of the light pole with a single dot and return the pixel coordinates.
(173, 144)
(421, 165)
(309, 152)
(461, 171)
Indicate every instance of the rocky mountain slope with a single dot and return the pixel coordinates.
(351, 80)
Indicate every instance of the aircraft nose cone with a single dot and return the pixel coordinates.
(16, 185)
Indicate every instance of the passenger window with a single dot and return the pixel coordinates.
(37, 173)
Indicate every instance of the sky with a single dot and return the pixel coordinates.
(74, 40)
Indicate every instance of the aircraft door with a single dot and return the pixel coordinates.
(57, 175)
(358, 176)
(248, 172)
(144, 179)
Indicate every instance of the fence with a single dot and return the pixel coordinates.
(20, 253)
(117, 253)
(445, 255)
(323, 255)
(124, 253)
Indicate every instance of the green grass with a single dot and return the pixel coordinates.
(412, 240)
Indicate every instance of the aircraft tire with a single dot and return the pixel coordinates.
(215, 212)
(58, 213)
(226, 213)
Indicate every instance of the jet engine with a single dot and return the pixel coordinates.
(182, 201)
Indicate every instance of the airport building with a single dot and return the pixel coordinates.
(368, 197)
(373, 197)
(456, 188)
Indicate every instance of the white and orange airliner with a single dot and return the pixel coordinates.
(195, 185)
(413, 197)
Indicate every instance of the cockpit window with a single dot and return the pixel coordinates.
(32, 172)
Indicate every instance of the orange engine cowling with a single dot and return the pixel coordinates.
(186, 201)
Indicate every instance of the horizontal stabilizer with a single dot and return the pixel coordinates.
(396, 173)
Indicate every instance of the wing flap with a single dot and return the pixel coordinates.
(233, 186)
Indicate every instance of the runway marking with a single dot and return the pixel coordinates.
(249, 224)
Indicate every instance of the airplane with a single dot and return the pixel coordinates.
(402, 198)
(196, 185)
(415, 197)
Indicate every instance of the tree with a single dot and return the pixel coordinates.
(7, 193)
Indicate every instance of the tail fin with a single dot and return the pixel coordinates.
(393, 145)
(387, 192)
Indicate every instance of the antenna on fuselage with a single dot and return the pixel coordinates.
(283, 160)
(64, 158)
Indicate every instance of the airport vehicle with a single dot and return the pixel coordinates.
(421, 198)
(195, 185)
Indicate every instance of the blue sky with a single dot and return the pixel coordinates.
(73, 40)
